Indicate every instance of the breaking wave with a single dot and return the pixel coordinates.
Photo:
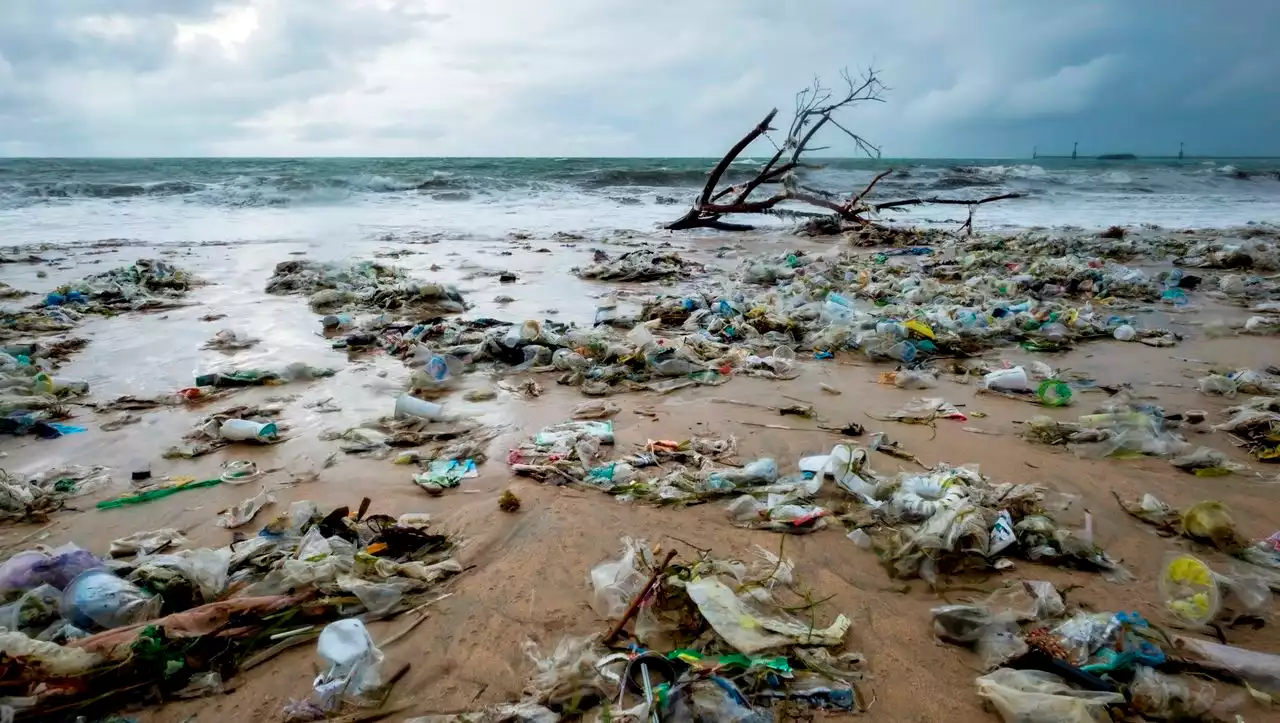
(287, 182)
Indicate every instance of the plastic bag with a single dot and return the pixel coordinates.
(616, 582)
(354, 663)
(1211, 521)
(1165, 697)
(243, 513)
(1033, 696)
(762, 471)
(1217, 384)
(750, 632)
(1082, 634)
(1000, 642)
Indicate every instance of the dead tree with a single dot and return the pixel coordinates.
(816, 108)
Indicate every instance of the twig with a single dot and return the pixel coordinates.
(782, 427)
(409, 628)
(634, 607)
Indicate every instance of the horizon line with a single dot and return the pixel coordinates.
(881, 159)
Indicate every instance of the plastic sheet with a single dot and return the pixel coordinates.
(616, 582)
(751, 632)
(1032, 696)
(1165, 697)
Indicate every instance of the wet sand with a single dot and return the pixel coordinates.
(527, 572)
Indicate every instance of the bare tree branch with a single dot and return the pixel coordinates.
(814, 108)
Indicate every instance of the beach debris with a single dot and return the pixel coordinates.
(508, 501)
(640, 265)
(306, 569)
(362, 285)
(230, 340)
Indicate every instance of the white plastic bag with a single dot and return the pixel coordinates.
(1033, 696)
(354, 663)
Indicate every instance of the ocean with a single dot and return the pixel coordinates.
(334, 199)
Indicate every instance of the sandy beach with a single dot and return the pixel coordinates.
(525, 574)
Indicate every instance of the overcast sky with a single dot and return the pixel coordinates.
(629, 77)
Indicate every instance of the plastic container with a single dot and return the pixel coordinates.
(784, 359)
(96, 598)
(1008, 380)
(61, 385)
(1190, 590)
(243, 430)
(408, 405)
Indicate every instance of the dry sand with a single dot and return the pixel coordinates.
(527, 572)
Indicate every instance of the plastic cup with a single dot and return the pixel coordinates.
(1008, 380)
(408, 405)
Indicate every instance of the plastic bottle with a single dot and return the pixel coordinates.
(61, 385)
(244, 429)
(336, 322)
(840, 300)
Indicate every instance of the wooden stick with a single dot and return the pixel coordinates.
(634, 607)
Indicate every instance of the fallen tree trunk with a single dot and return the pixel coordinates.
(815, 108)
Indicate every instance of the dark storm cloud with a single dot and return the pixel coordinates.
(615, 77)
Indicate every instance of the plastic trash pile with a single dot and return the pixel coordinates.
(90, 634)
(245, 423)
(34, 498)
(1048, 661)
(954, 520)
(146, 285)
(713, 639)
(909, 312)
(640, 265)
(362, 285)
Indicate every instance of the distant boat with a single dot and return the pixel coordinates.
(1117, 157)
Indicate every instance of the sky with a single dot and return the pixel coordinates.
(966, 78)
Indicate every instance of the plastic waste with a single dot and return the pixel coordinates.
(97, 598)
(408, 405)
(1124, 332)
(37, 608)
(1008, 380)
(914, 379)
(616, 582)
(750, 632)
(1033, 696)
(1262, 670)
(1166, 697)
(1054, 393)
(239, 430)
(354, 664)
(1002, 534)
(64, 564)
(1189, 589)
(20, 571)
(762, 471)
(244, 512)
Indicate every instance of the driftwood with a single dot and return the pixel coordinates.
(816, 107)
